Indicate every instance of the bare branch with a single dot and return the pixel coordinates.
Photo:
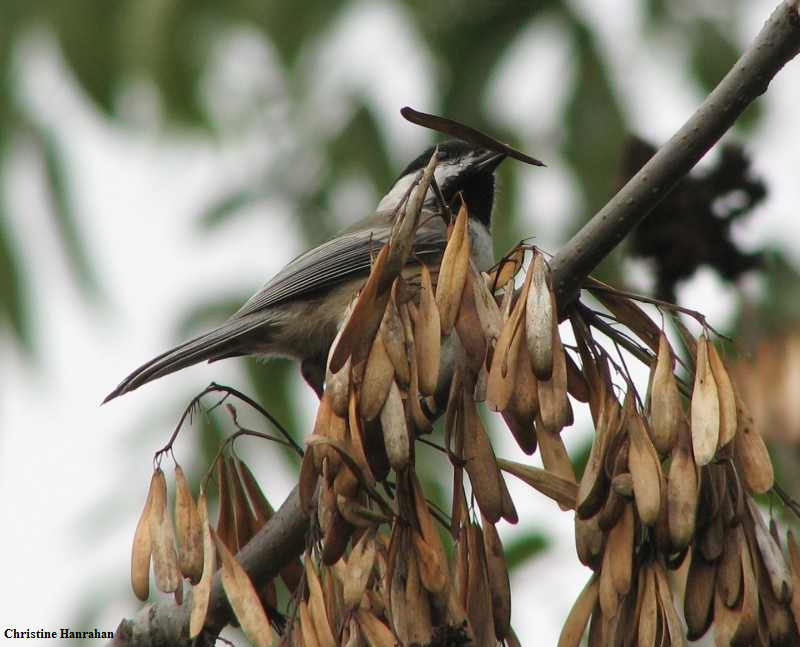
(776, 44)
(165, 622)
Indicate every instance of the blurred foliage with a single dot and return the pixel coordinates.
(522, 547)
(171, 45)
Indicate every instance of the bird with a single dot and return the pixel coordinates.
(298, 312)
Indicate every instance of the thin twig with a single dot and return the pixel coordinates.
(247, 400)
(787, 499)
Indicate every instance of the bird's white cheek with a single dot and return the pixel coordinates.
(392, 199)
(482, 247)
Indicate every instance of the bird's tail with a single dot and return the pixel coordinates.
(216, 344)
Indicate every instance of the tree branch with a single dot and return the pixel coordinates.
(283, 537)
(776, 44)
(166, 623)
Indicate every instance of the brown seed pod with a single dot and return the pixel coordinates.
(727, 398)
(673, 628)
(683, 489)
(335, 539)
(622, 484)
(243, 598)
(506, 268)
(645, 468)
(316, 605)
(711, 539)
(262, 510)
(143, 547)
(620, 549)
(378, 377)
(246, 523)
(577, 384)
(704, 408)
(337, 386)
(307, 481)
(358, 515)
(523, 431)
(750, 454)
(575, 624)
(201, 593)
(395, 429)
(479, 601)
(502, 373)
(416, 415)
(729, 569)
(593, 487)
(609, 514)
(561, 490)
(310, 638)
(427, 335)
(666, 410)
(418, 608)
(524, 401)
(499, 585)
(376, 633)
(596, 626)
(726, 621)
(469, 330)
(433, 566)
(589, 540)
(394, 340)
(485, 306)
(359, 330)
(453, 271)
(355, 436)
(328, 424)
(396, 576)
(461, 564)
(540, 318)
(358, 571)
(698, 605)
(188, 531)
(794, 563)
(608, 596)
(481, 464)
(401, 239)
(649, 607)
(162, 538)
(554, 409)
(780, 577)
(554, 454)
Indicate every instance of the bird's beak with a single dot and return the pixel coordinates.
(491, 160)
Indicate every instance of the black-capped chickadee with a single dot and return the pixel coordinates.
(298, 313)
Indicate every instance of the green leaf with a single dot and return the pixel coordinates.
(273, 391)
(13, 291)
(206, 315)
(522, 547)
(63, 213)
(713, 55)
(594, 123)
(227, 207)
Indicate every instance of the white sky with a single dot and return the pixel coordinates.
(137, 194)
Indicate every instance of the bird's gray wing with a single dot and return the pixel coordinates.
(345, 257)
(336, 261)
